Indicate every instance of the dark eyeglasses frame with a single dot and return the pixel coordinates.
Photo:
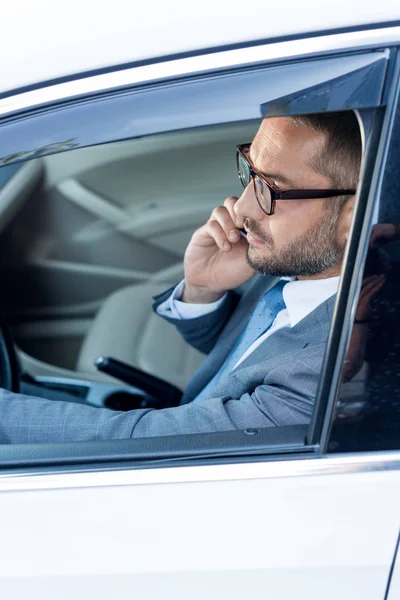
(277, 193)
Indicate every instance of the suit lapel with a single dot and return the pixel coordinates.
(280, 348)
(310, 330)
(259, 285)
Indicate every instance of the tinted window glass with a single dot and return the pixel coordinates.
(6, 173)
(368, 409)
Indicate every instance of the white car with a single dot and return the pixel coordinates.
(118, 128)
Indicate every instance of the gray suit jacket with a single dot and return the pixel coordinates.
(275, 385)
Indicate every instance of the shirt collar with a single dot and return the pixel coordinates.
(303, 296)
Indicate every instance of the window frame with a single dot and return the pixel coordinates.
(234, 446)
(350, 282)
(364, 220)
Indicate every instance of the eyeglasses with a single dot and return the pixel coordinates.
(267, 194)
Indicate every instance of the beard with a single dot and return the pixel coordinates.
(312, 253)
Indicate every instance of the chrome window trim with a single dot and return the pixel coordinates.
(122, 476)
(299, 48)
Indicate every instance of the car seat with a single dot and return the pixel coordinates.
(127, 329)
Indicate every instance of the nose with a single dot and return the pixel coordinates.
(247, 205)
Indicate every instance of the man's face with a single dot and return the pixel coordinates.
(301, 238)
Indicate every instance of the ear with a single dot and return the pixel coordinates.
(345, 220)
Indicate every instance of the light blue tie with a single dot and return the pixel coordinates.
(262, 317)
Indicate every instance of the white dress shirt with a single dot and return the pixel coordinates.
(301, 298)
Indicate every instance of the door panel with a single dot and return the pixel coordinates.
(119, 214)
(251, 531)
(394, 589)
(107, 217)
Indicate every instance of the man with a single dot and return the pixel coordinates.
(265, 347)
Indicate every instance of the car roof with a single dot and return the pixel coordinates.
(46, 40)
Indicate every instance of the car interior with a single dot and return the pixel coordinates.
(88, 236)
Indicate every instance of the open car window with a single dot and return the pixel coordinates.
(111, 215)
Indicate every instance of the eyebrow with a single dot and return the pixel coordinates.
(274, 176)
(277, 177)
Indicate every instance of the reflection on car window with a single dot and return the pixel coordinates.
(367, 413)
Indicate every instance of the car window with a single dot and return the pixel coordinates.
(6, 173)
(106, 231)
(112, 219)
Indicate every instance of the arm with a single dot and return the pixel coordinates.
(214, 265)
(200, 331)
(275, 402)
(25, 419)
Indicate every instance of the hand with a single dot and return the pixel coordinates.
(370, 286)
(215, 259)
(382, 232)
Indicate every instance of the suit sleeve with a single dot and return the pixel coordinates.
(201, 332)
(25, 419)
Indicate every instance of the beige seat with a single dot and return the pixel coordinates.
(127, 329)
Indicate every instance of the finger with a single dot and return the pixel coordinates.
(378, 286)
(372, 288)
(372, 240)
(223, 217)
(216, 232)
(371, 285)
(230, 206)
(366, 280)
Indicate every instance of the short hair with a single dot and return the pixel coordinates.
(340, 159)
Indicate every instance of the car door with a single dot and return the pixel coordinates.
(287, 512)
(394, 581)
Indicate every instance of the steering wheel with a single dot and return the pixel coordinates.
(9, 364)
